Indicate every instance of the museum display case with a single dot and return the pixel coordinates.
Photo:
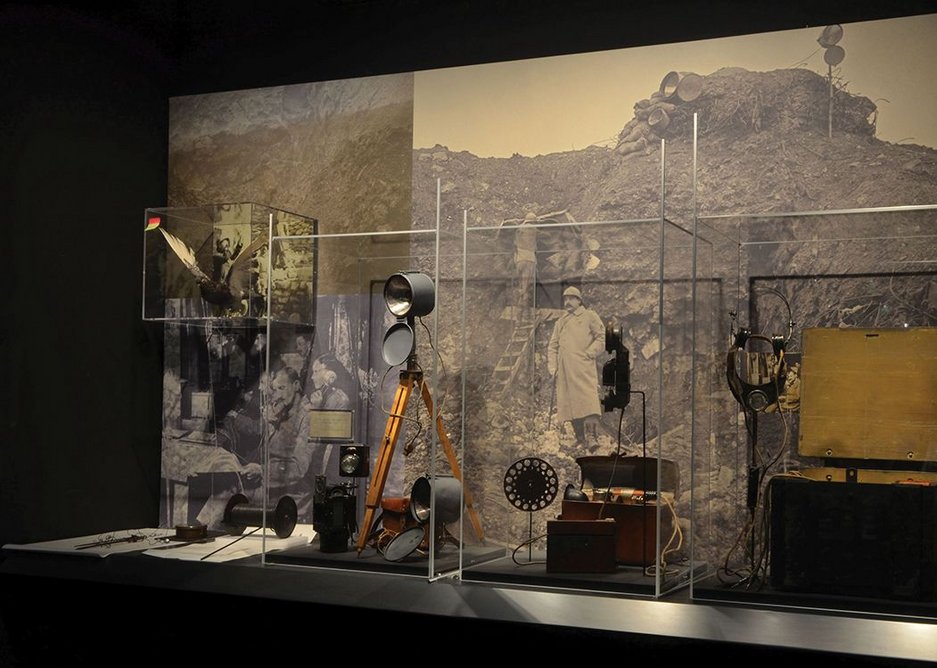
(209, 280)
(756, 419)
(208, 264)
(319, 391)
(372, 457)
(578, 375)
(816, 485)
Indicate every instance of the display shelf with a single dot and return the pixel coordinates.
(283, 599)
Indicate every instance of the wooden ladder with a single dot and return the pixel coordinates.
(510, 361)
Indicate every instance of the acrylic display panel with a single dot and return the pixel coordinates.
(543, 411)
(347, 399)
(211, 434)
(820, 488)
(215, 342)
(210, 264)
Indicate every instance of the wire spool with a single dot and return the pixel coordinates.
(530, 484)
(238, 516)
(191, 532)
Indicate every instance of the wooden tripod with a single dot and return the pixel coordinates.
(408, 379)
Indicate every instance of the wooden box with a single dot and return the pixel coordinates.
(581, 546)
(869, 394)
(865, 522)
(635, 527)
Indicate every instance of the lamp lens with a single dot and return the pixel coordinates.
(398, 294)
(350, 462)
(421, 513)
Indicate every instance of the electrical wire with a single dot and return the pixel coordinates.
(803, 61)
(375, 532)
(676, 533)
(249, 533)
(408, 446)
(787, 304)
(443, 376)
(756, 527)
(527, 542)
(611, 475)
(761, 564)
(441, 381)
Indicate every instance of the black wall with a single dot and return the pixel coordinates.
(82, 153)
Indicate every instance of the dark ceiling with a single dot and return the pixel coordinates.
(207, 46)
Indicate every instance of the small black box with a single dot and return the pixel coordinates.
(581, 546)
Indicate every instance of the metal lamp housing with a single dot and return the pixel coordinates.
(447, 504)
(410, 294)
(354, 461)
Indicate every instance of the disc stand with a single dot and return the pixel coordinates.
(530, 484)
(410, 378)
(530, 537)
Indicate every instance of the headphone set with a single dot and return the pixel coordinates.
(759, 387)
(755, 377)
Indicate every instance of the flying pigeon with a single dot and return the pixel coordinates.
(229, 291)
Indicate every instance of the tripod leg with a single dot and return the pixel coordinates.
(453, 463)
(384, 458)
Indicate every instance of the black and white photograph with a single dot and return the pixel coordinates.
(599, 145)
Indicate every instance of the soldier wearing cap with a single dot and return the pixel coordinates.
(577, 340)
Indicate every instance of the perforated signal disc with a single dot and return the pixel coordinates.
(530, 484)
